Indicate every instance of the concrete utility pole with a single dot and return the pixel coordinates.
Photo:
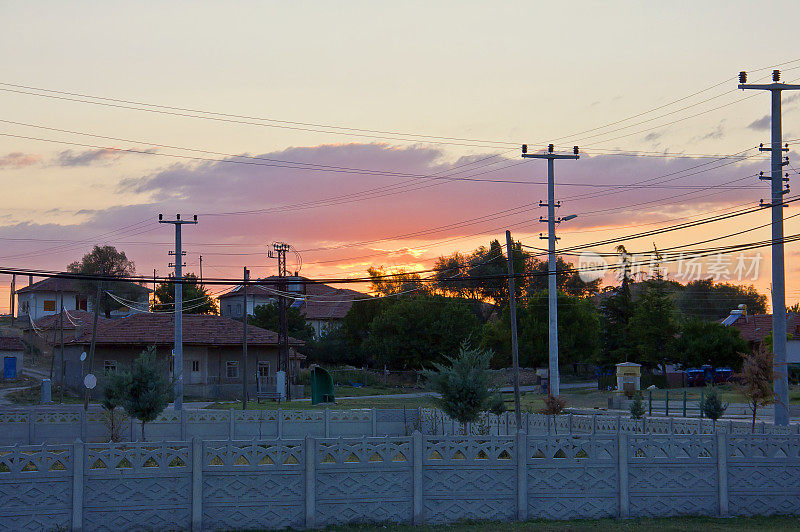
(781, 373)
(512, 300)
(179, 253)
(245, 278)
(63, 363)
(278, 251)
(13, 292)
(552, 294)
(93, 343)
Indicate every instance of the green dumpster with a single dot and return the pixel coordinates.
(321, 386)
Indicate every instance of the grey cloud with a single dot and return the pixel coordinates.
(762, 123)
(70, 158)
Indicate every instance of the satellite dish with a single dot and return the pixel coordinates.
(83, 356)
(90, 381)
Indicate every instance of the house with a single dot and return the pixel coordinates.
(11, 351)
(44, 298)
(212, 352)
(755, 327)
(323, 306)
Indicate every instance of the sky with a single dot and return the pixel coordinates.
(385, 134)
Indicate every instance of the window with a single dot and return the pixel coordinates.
(238, 309)
(195, 366)
(232, 369)
(110, 365)
(49, 305)
(263, 368)
(229, 310)
(81, 303)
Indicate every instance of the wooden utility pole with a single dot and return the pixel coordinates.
(246, 278)
(63, 365)
(512, 302)
(94, 338)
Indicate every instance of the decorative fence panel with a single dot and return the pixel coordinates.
(275, 483)
(34, 426)
(137, 486)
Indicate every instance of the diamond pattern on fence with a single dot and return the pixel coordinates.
(363, 480)
(672, 475)
(471, 478)
(761, 465)
(35, 487)
(253, 484)
(572, 476)
(137, 486)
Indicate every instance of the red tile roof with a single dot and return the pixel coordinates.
(198, 329)
(63, 284)
(755, 327)
(79, 317)
(325, 302)
(11, 343)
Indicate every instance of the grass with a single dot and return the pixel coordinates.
(33, 395)
(358, 391)
(707, 524)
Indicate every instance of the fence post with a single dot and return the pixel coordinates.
(279, 432)
(684, 403)
(650, 403)
(522, 475)
(671, 426)
(594, 423)
(183, 424)
(619, 423)
(31, 428)
(311, 481)
(666, 404)
(327, 423)
(570, 422)
(700, 405)
(622, 472)
(77, 485)
(418, 443)
(83, 426)
(722, 472)
(197, 484)
(231, 427)
(374, 422)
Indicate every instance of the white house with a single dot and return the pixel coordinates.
(44, 298)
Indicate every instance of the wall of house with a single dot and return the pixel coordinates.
(231, 307)
(33, 303)
(793, 351)
(18, 356)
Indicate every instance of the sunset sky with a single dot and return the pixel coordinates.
(372, 131)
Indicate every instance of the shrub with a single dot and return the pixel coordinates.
(553, 406)
(712, 406)
(637, 406)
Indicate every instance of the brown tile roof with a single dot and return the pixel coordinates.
(325, 302)
(52, 322)
(755, 327)
(11, 343)
(198, 329)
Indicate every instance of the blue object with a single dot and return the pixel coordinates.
(10, 368)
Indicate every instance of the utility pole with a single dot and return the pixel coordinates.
(63, 363)
(201, 269)
(781, 374)
(179, 253)
(94, 338)
(13, 292)
(246, 279)
(552, 294)
(512, 300)
(278, 251)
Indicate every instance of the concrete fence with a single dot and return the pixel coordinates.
(274, 483)
(35, 426)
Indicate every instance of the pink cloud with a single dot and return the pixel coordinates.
(19, 160)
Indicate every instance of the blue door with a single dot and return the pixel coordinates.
(10, 368)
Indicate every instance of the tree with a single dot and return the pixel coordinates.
(710, 301)
(712, 406)
(578, 331)
(150, 391)
(109, 262)
(385, 283)
(456, 266)
(490, 268)
(334, 348)
(616, 310)
(653, 325)
(412, 332)
(268, 317)
(707, 342)
(116, 387)
(637, 408)
(755, 379)
(568, 280)
(463, 383)
(196, 299)
(553, 406)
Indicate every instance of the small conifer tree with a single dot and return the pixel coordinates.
(115, 390)
(713, 407)
(637, 406)
(150, 391)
